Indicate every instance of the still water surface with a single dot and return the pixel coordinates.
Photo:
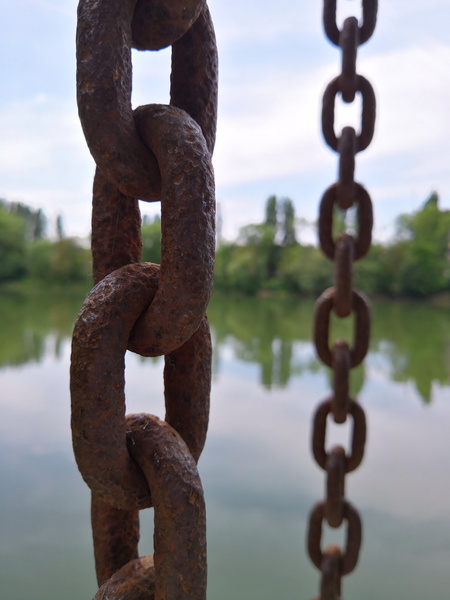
(259, 479)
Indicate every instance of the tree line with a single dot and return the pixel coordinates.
(268, 257)
(265, 258)
(27, 253)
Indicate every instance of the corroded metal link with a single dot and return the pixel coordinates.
(160, 23)
(330, 585)
(180, 524)
(343, 299)
(187, 231)
(334, 502)
(187, 383)
(370, 9)
(353, 537)
(360, 307)
(116, 228)
(187, 204)
(358, 440)
(104, 41)
(134, 581)
(340, 401)
(104, 97)
(97, 386)
(348, 41)
(367, 116)
(153, 153)
(116, 242)
(365, 222)
(345, 190)
(115, 533)
(343, 275)
(193, 80)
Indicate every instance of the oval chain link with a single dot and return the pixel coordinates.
(344, 300)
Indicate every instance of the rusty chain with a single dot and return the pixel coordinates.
(155, 152)
(335, 562)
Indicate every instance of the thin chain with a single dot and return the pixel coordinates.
(153, 153)
(344, 300)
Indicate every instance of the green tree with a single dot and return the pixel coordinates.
(151, 240)
(271, 213)
(59, 228)
(69, 262)
(39, 259)
(289, 237)
(12, 246)
(304, 270)
(35, 221)
(264, 250)
(422, 250)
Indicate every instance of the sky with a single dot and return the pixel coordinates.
(274, 63)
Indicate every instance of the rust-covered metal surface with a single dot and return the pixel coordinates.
(154, 153)
(342, 299)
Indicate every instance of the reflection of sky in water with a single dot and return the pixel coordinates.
(259, 479)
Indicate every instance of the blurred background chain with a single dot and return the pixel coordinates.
(343, 300)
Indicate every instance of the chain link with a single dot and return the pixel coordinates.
(344, 300)
(155, 152)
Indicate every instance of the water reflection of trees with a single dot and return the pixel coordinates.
(415, 339)
(272, 333)
(419, 348)
(261, 332)
(27, 321)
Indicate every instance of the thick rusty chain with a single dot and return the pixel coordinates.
(155, 152)
(335, 562)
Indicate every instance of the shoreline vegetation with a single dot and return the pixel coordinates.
(265, 260)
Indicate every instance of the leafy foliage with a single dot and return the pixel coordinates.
(266, 257)
(151, 240)
(25, 253)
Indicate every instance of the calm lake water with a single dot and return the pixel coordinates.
(259, 478)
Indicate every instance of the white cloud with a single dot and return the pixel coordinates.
(255, 21)
(274, 64)
(44, 161)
